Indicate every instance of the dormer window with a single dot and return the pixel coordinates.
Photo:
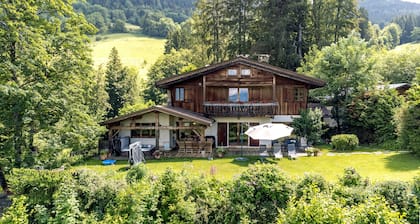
(245, 72)
(232, 72)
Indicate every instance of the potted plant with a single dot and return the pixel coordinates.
(316, 151)
(103, 155)
(220, 152)
(309, 151)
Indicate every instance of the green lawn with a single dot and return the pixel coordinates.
(134, 49)
(385, 166)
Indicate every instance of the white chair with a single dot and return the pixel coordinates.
(291, 151)
(277, 151)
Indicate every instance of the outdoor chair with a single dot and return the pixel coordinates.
(291, 151)
(263, 153)
(277, 151)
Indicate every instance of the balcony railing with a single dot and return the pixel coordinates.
(240, 109)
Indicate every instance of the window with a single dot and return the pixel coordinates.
(238, 95)
(143, 133)
(236, 134)
(246, 72)
(179, 94)
(232, 72)
(299, 94)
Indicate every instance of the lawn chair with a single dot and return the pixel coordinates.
(277, 151)
(263, 153)
(291, 151)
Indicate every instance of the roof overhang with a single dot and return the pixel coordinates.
(311, 81)
(174, 111)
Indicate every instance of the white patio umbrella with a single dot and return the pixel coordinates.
(269, 131)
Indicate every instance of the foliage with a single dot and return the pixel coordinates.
(409, 121)
(314, 208)
(351, 178)
(135, 107)
(398, 65)
(37, 185)
(174, 63)
(119, 84)
(154, 17)
(309, 182)
(309, 125)
(350, 196)
(44, 76)
(416, 186)
(258, 194)
(17, 212)
(396, 194)
(347, 68)
(367, 113)
(375, 210)
(344, 142)
(66, 205)
(136, 173)
(211, 198)
(95, 192)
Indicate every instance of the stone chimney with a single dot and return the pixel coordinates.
(265, 58)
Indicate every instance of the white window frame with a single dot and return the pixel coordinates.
(232, 72)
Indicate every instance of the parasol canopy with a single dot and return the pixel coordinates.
(269, 131)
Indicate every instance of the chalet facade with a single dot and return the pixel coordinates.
(219, 102)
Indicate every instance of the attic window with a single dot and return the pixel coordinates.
(232, 72)
(245, 72)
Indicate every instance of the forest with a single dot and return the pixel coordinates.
(155, 17)
(52, 101)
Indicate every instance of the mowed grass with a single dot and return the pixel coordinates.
(376, 167)
(135, 50)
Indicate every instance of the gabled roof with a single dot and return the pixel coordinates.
(314, 82)
(176, 111)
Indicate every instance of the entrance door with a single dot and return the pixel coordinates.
(253, 142)
(221, 134)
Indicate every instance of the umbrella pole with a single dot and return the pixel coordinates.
(241, 158)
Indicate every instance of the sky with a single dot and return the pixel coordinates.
(415, 1)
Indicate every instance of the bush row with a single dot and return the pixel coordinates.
(261, 194)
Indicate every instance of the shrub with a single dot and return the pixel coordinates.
(309, 182)
(416, 187)
(211, 198)
(95, 192)
(66, 205)
(37, 185)
(374, 210)
(315, 208)
(409, 120)
(136, 173)
(162, 201)
(351, 178)
(396, 193)
(258, 194)
(344, 142)
(17, 212)
(349, 196)
(309, 125)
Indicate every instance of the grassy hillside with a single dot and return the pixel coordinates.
(135, 50)
(383, 11)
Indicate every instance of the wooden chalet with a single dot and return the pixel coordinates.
(218, 102)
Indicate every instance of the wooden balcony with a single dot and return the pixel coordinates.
(240, 109)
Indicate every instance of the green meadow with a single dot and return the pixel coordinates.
(374, 166)
(135, 50)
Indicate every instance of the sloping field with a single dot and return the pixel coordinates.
(135, 50)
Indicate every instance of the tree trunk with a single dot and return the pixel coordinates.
(17, 139)
(3, 182)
